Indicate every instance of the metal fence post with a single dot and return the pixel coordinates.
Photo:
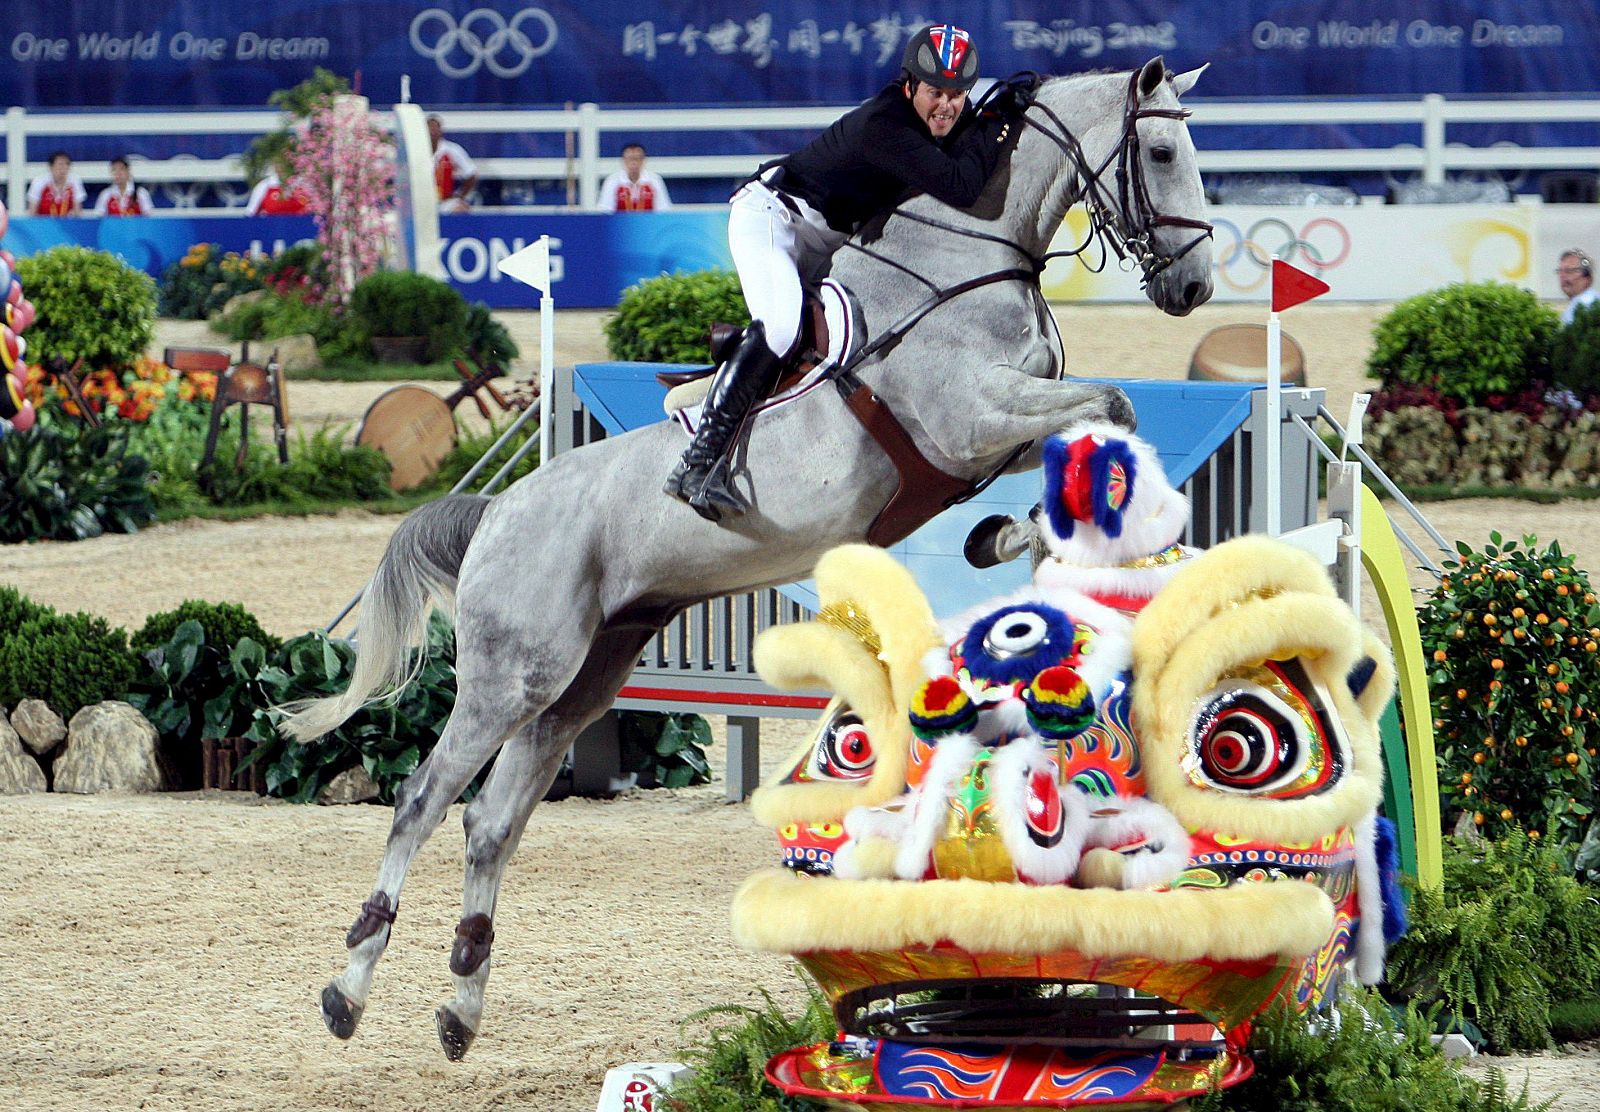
(1433, 138)
(588, 154)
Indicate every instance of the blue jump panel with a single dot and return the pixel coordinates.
(1185, 421)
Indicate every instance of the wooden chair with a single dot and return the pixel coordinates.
(243, 384)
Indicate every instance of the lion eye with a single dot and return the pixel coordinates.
(1016, 633)
(1263, 731)
(844, 750)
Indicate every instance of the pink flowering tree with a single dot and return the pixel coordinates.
(344, 167)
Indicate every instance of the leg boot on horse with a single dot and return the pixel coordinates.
(703, 477)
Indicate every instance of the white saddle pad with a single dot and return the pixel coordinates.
(845, 336)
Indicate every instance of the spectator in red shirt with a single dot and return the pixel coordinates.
(454, 172)
(122, 197)
(271, 197)
(58, 193)
(633, 188)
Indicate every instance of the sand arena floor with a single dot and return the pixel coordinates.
(166, 952)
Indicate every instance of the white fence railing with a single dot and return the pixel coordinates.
(1433, 155)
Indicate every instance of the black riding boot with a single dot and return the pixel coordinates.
(702, 476)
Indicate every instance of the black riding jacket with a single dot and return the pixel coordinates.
(873, 155)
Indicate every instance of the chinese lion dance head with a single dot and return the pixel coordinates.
(1060, 850)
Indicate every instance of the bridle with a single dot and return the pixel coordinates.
(1127, 227)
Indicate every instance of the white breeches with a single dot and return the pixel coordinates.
(776, 252)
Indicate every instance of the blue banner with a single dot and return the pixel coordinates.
(179, 52)
(594, 257)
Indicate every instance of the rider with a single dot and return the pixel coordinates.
(787, 221)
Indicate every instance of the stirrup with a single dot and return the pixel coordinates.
(716, 495)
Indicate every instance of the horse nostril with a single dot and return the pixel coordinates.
(1191, 293)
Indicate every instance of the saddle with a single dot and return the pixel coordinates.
(830, 332)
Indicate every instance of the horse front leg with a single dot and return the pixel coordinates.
(1002, 408)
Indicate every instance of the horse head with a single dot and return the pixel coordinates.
(1134, 167)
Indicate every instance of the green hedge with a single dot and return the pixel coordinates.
(91, 305)
(1467, 340)
(668, 319)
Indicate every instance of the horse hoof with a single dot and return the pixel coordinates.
(339, 1012)
(454, 1035)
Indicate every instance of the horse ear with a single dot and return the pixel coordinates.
(1151, 76)
(1183, 82)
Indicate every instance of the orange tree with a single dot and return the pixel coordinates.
(1511, 635)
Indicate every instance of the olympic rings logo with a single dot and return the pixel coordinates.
(482, 38)
(1321, 245)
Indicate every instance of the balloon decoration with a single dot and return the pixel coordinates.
(16, 314)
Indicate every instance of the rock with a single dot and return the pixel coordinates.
(110, 748)
(295, 353)
(20, 774)
(353, 785)
(40, 728)
(238, 302)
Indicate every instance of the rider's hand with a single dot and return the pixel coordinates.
(1012, 97)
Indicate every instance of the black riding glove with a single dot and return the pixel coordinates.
(1012, 97)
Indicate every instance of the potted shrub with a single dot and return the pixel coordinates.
(410, 318)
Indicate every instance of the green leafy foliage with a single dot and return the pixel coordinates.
(91, 305)
(1511, 635)
(299, 102)
(1575, 1020)
(224, 625)
(204, 280)
(16, 608)
(488, 339)
(1367, 1058)
(70, 661)
(1467, 340)
(400, 303)
(668, 319)
(66, 481)
(665, 750)
(388, 738)
(1575, 353)
(470, 448)
(728, 1060)
(1510, 929)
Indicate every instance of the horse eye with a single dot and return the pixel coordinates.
(1161, 154)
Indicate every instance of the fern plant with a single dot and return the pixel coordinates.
(729, 1061)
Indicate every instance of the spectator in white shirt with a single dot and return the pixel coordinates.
(633, 188)
(1576, 274)
(122, 197)
(454, 172)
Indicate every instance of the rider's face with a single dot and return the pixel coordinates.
(938, 108)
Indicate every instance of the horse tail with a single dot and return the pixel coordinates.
(418, 571)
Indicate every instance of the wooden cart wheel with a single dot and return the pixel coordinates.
(414, 427)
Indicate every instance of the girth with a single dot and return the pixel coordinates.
(924, 490)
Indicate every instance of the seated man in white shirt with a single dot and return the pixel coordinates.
(122, 197)
(1576, 274)
(454, 172)
(633, 188)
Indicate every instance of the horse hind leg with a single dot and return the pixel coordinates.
(497, 817)
(476, 728)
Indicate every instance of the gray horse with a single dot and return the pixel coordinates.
(559, 582)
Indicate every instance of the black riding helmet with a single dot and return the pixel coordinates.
(942, 55)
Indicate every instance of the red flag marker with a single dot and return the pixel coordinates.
(1291, 286)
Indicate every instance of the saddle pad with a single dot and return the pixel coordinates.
(845, 336)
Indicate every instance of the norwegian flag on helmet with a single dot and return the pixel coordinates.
(951, 43)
